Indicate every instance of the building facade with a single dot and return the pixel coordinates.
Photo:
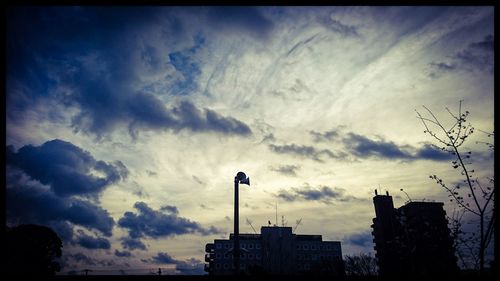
(413, 240)
(276, 251)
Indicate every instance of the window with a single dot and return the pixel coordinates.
(250, 246)
(244, 246)
(306, 247)
(226, 266)
(257, 256)
(226, 255)
(329, 247)
(257, 246)
(226, 246)
(321, 247)
(218, 245)
(313, 247)
(217, 256)
(298, 247)
(250, 256)
(243, 255)
(217, 265)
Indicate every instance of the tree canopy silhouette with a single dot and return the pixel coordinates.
(31, 250)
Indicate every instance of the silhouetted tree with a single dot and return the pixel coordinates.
(31, 250)
(327, 267)
(475, 198)
(360, 265)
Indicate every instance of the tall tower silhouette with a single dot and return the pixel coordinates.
(413, 240)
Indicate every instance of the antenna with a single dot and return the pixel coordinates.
(250, 223)
(283, 222)
(409, 199)
(276, 222)
(297, 222)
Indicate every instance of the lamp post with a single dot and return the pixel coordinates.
(240, 178)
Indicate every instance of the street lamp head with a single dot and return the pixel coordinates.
(242, 178)
(246, 181)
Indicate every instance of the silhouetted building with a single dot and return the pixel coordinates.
(276, 251)
(413, 240)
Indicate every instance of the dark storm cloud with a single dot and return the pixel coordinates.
(145, 111)
(133, 244)
(82, 258)
(487, 44)
(63, 229)
(170, 209)
(189, 116)
(288, 170)
(442, 66)
(39, 36)
(29, 201)
(190, 266)
(430, 152)
(364, 147)
(317, 194)
(82, 50)
(325, 136)
(122, 253)
(477, 56)
(287, 196)
(53, 185)
(90, 242)
(66, 168)
(155, 224)
(87, 214)
(360, 147)
(184, 63)
(247, 19)
(363, 239)
(164, 258)
(305, 151)
(341, 28)
(324, 194)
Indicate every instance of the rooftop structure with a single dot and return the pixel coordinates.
(276, 250)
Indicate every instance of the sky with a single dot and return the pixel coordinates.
(125, 126)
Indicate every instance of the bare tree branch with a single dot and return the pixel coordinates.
(452, 139)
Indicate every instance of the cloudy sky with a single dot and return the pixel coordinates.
(126, 126)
